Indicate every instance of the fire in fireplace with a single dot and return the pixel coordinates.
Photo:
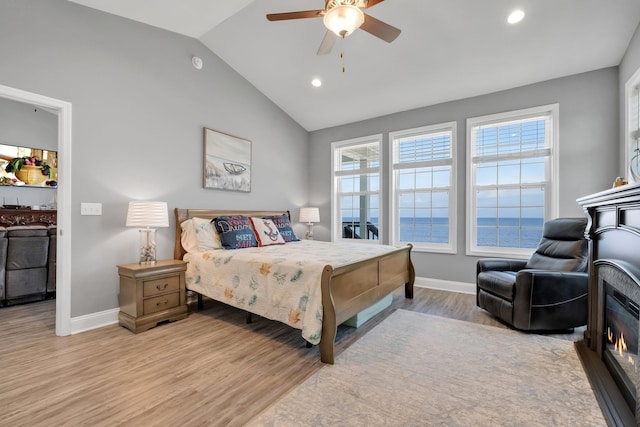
(622, 320)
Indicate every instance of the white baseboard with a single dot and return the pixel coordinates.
(94, 320)
(446, 285)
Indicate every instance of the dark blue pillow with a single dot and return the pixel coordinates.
(284, 227)
(235, 231)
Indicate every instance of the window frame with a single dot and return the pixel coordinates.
(336, 223)
(394, 224)
(552, 111)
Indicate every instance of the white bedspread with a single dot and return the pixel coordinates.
(279, 282)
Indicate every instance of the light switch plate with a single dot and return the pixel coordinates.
(90, 208)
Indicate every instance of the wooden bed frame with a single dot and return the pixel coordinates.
(346, 290)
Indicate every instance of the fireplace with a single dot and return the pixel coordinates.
(620, 341)
(609, 351)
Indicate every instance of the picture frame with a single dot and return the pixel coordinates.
(226, 161)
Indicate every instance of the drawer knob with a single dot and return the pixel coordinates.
(162, 288)
(158, 304)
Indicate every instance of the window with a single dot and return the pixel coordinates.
(423, 187)
(356, 189)
(511, 191)
(631, 140)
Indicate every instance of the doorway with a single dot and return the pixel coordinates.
(63, 247)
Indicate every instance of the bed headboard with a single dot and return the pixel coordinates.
(185, 214)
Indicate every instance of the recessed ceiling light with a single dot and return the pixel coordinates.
(316, 82)
(515, 17)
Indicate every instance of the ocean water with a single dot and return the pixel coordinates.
(510, 232)
(492, 232)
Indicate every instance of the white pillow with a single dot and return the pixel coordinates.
(188, 237)
(206, 235)
(266, 232)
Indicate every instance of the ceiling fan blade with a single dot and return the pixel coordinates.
(372, 3)
(295, 15)
(327, 43)
(380, 29)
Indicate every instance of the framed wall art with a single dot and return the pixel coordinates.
(227, 161)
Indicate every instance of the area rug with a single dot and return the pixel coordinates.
(415, 369)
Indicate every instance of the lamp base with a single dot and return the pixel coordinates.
(147, 246)
(309, 234)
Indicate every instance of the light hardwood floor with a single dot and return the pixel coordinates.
(211, 369)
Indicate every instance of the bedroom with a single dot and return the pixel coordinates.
(138, 111)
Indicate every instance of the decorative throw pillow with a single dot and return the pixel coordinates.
(205, 233)
(284, 227)
(235, 231)
(266, 232)
(188, 236)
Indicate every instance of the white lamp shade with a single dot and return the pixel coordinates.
(309, 215)
(343, 19)
(147, 214)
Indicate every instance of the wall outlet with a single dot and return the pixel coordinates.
(90, 208)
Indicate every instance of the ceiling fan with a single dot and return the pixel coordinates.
(342, 17)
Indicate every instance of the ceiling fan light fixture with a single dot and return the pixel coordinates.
(343, 19)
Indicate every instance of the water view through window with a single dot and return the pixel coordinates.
(492, 232)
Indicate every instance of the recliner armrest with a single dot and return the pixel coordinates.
(500, 264)
(542, 287)
(545, 300)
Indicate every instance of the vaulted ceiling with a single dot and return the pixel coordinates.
(448, 49)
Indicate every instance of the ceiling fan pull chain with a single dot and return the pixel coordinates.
(342, 49)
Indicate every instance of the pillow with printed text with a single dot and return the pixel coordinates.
(235, 231)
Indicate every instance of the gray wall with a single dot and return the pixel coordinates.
(588, 151)
(139, 107)
(26, 126)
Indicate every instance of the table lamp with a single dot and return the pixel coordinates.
(147, 215)
(309, 215)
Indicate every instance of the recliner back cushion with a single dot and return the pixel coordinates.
(563, 246)
(28, 247)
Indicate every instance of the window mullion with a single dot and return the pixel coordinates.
(357, 172)
(511, 186)
(511, 156)
(424, 164)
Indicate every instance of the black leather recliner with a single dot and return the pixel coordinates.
(547, 292)
(26, 271)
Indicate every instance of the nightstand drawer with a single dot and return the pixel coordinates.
(163, 302)
(160, 286)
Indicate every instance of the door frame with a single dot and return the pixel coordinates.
(63, 265)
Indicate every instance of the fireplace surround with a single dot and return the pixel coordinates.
(609, 351)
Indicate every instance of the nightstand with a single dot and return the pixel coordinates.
(150, 294)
